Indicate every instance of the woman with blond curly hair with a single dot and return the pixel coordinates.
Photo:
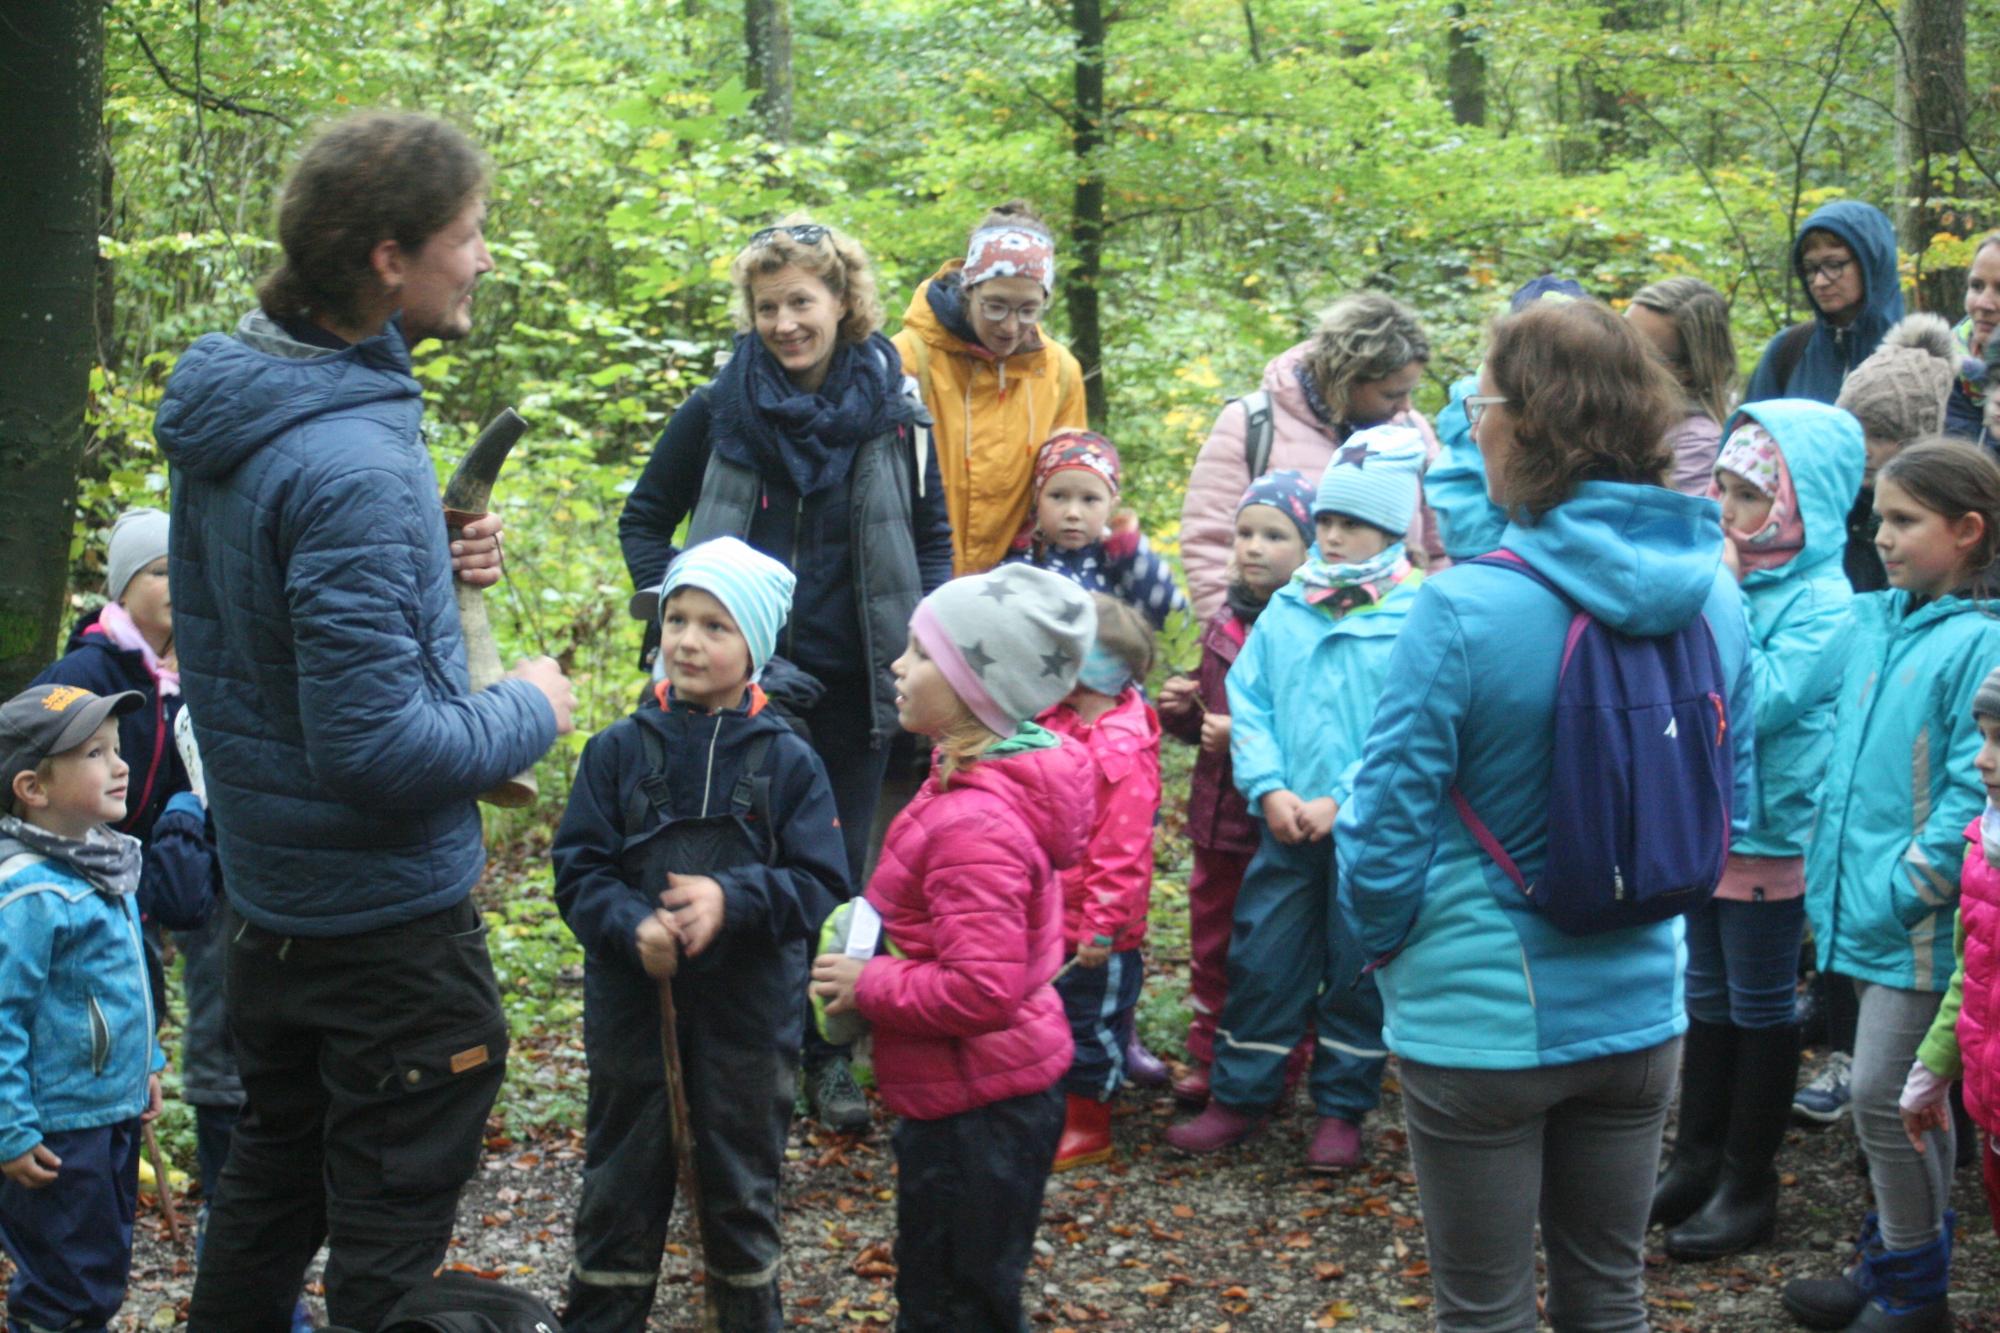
(806, 447)
(1537, 1065)
(1358, 369)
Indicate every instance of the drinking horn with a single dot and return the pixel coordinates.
(466, 497)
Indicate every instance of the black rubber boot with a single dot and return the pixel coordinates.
(748, 1309)
(1743, 1211)
(1708, 1060)
(1834, 1302)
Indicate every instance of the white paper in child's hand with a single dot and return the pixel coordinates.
(864, 930)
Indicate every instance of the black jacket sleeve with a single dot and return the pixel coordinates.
(933, 527)
(666, 493)
(790, 899)
(178, 879)
(602, 909)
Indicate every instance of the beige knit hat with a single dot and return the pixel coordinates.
(1899, 392)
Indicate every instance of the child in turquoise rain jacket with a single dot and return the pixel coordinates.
(1882, 873)
(1301, 697)
(1785, 476)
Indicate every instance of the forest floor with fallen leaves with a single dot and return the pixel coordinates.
(1239, 1243)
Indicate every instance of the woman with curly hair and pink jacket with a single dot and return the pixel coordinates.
(1359, 369)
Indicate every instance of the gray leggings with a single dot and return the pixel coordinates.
(1911, 1191)
(1573, 1146)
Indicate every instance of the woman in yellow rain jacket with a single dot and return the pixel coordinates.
(994, 383)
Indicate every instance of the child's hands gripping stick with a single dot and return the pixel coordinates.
(1315, 818)
(154, 1104)
(835, 976)
(1093, 954)
(697, 904)
(1215, 733)
(34, 1168)
(659, 942)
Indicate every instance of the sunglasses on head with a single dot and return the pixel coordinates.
(805, 233)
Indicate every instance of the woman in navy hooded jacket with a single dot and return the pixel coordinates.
(1537, 1066)
(812, 447)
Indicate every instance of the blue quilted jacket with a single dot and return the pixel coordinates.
(319, 639)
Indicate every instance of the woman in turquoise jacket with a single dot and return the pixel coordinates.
(1883, 869)
(1301, 697)
(1786, 475)
(1537, 1066)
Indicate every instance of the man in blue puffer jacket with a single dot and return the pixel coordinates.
(322, 658)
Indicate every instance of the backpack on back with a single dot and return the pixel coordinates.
(1259, 428)
(1640, 787)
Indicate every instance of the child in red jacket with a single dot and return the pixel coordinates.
(1107, 894)
(969, 1035)
(1274, 531)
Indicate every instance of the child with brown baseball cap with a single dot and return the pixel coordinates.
(70, 1109)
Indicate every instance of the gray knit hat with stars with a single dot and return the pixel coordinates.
(1009, 641)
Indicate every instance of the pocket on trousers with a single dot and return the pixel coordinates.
(444, 1087)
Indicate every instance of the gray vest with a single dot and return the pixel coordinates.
(887, 586)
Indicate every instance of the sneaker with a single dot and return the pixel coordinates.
(1214, 1129)
(1336, 1145)
(835, 1098)
(1825, 1098)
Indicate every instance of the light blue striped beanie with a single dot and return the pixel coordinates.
(1374, 477)
(756, 589)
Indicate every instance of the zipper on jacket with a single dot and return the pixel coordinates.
(968, 425)
(708, 778)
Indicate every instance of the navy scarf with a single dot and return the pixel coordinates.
(806, 440)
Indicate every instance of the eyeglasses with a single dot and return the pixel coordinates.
(805, 233)
(1830, 269)
(1476, 405)
(996, 312)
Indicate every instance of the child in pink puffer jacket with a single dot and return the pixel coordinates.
(1964, 1040)
(970, 1037)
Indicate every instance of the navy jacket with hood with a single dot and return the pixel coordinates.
(319, 638)
(1833, 352)
(93, 662)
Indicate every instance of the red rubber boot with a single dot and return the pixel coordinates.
(1086, 1136)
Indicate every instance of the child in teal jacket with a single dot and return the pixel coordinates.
(1785, 475)
(1301, 697)
(1882, 874)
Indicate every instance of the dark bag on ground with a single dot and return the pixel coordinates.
(462, 1303)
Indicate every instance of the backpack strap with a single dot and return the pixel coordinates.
(1258, 431)
(1579, 619)
(649, 796)
(1791, 349)
(751, 796)
(1484, 837)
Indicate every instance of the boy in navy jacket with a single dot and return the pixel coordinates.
(700, 846)
(73, 967)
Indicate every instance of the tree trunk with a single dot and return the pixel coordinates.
(767, 33)
(1930, 109)
(1086, 230)
(52, 102)
(1465, 68)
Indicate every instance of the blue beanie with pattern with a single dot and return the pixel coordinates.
(755, 589)
(1374, 477)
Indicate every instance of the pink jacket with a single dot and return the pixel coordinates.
(1222, 473)
(1979, 1006)
(1110, 890)
(1695, 440)
(967, 888)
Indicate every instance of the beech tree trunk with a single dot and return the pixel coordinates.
(1086, 233)
(51, 101)
(767, 34)
(1930, 128)
(1465, 68)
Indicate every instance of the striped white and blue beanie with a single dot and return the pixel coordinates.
(1374, 477)
(755, 589)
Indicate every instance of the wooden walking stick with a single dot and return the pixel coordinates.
(161, 1185)
(683, 1133)
(466, 497)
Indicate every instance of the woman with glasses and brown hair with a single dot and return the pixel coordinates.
(1537, 1065)
(1845, 259)
(995, 384)
(1358, 369)
(806, 446)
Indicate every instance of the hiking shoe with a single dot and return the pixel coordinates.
(1214, 1129)
(835, 1098)
(1825, 1098)
(1335, 1146)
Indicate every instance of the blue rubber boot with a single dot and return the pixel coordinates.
(1906, 1288)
